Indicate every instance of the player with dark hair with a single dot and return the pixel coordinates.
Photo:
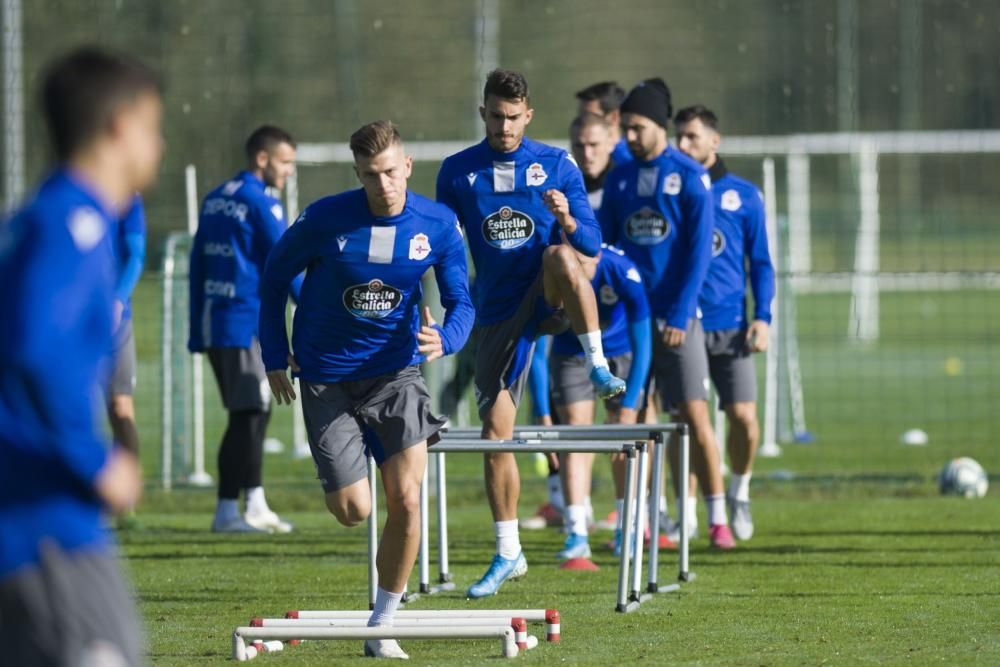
(63, 600)
(605, 99)
(659, 210)
(240, 222)
(526, 214)
(739, 239)
(358, 343)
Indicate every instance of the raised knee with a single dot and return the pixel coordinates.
(349, 511)
(561, 259)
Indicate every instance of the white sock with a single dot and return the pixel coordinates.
(590, 510)
(620, 509)
(592, 349)
(386, 604)
(555, 493)
(716, 510)
(576, 519)
(691, 511)
(227, 510)
(663, 504)
(739, 486)
(256, 503)
(508, 539)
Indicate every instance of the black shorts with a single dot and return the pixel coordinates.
(240, 374)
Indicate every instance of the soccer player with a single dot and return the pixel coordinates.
(739, 239)
(63, 600)
(605, 99)
(129, 245)
(518, 200)
(658, 209)
(239, 224)
(592, 144)
(624, 315)
(358, 343)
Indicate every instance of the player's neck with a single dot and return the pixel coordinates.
(104, 175)
(710, 161)
(383, 210)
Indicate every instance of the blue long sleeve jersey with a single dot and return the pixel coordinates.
(740, 236)
(660, 213)
(498, 199)
(129, 243)
(58, 275)
(623, 311)
(358, 315)
(239, 224)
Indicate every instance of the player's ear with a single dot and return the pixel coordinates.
(260, 160)
(482, 113)
(408, 165)
(528, 114)
(357, 173)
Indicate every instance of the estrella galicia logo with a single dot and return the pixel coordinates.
(507, 228)
(372, 300)
(718, 243)
(647, 227)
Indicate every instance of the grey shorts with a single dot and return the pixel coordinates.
(74, 608)
(123, 374)
(570, 382)
(731, 366)
(681, 373)
(503, 349)
(240, 374)
(383, 415)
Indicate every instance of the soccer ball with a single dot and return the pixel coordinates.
(963, 477)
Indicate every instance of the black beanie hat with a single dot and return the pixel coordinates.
(650, 98)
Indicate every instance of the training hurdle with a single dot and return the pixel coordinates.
(505, 633)
(558, 439)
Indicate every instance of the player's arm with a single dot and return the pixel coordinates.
(270, 228)
(538, 380)
(452, 276)
(288, 258)
(40, 326)
(134, 226)
(633, 295)
(697, 214)
(607, 217)
(761, 274)
(572, 209)
(445, 190)
(196, 294)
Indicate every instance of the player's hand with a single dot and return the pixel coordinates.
(117, 310)
(119, 483)
(558, 205)
(673, 337)
(429, 339)
(758, 335)
(281, 385)
(627, 415)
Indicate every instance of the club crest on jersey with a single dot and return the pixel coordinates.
(646, 227)
(731, 201)
(608, 295)
(672, 183)
(718, 243)
(420, 247)
(372, 300)
(507, 228)
(535, 175)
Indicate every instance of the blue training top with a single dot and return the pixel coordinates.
(660, 213)
(740, 234)
(129, 242)
(498, 199)
(359, 311)
(58, 273)
(239, 224)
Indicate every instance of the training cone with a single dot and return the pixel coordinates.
(579, 564)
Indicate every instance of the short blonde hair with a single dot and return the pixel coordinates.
(373, 138)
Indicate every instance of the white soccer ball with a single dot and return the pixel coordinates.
(963, 477)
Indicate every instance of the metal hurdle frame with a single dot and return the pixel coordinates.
(659, 434)
(607, 439)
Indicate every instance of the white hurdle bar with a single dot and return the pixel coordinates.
(659, 434)
(550, 617)
(506, 634)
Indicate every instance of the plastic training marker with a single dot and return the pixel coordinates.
(584, 564)
(551, 625)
